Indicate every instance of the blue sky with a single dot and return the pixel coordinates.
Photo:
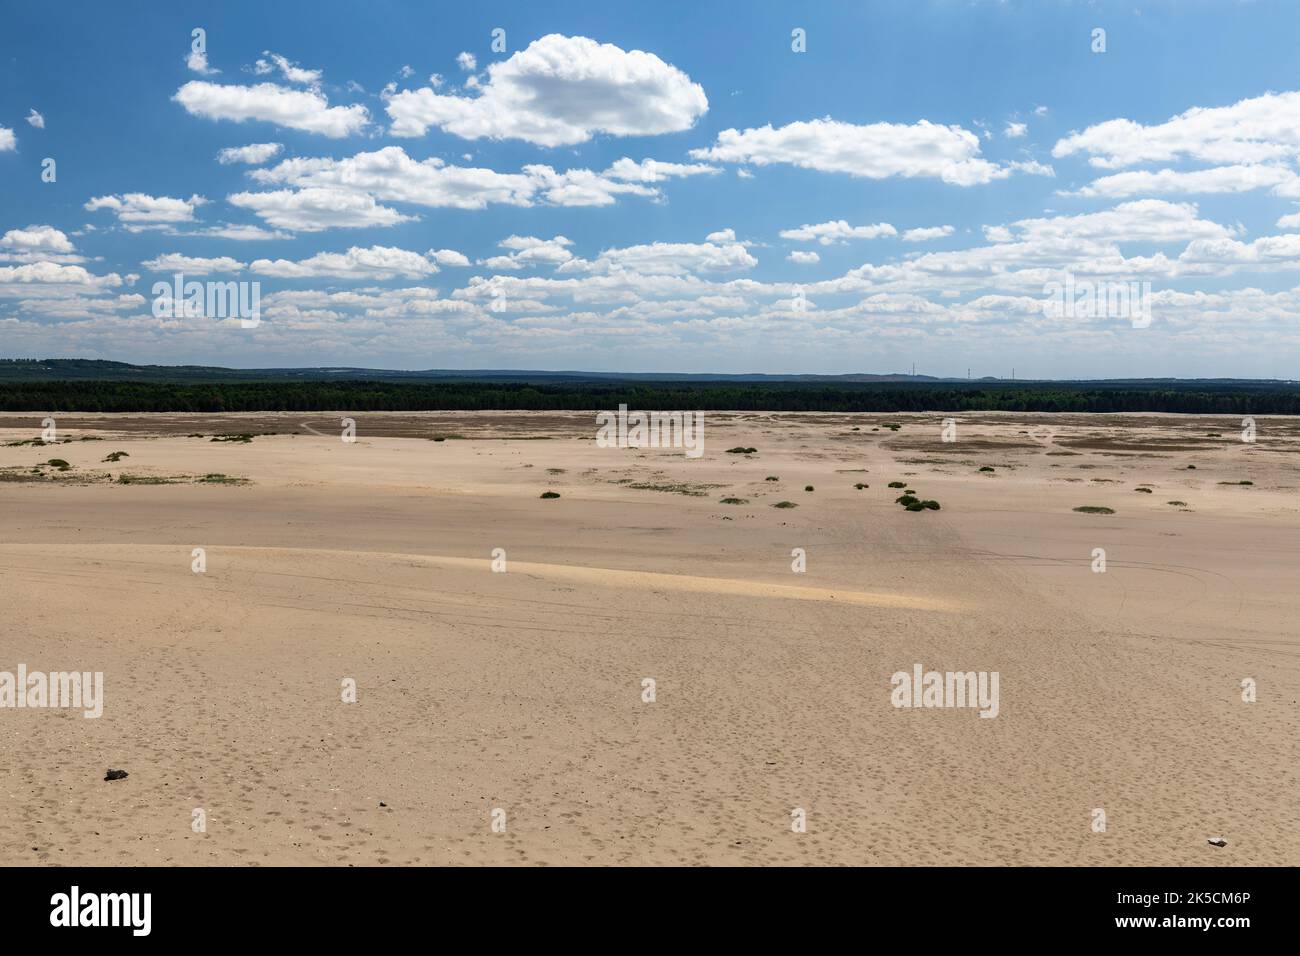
(665, 187)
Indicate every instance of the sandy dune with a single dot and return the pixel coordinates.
(523, 690)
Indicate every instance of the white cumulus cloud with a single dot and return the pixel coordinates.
(526, 251)
(654, 171)
(254, 154)
(197, 62)
(1217, 179)
(925, 234)
(137, 211)
(873, 151)
(178, 262)
(667, 259)
(1257, 130)
(376, 262)
(558, 91)
(838, 230)
(1143, 220)
(36, 239)
(448, 257)
(289, 70)
(306, 110)
(389, 174)
(315, 209)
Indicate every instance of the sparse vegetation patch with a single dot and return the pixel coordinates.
(680, 488)
(148, 480)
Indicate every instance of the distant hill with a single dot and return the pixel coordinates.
(36, 370)
(87, 385)
(100, 370)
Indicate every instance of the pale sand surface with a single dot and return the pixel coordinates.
(522, 690)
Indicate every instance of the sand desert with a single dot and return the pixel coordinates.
(518, 694)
